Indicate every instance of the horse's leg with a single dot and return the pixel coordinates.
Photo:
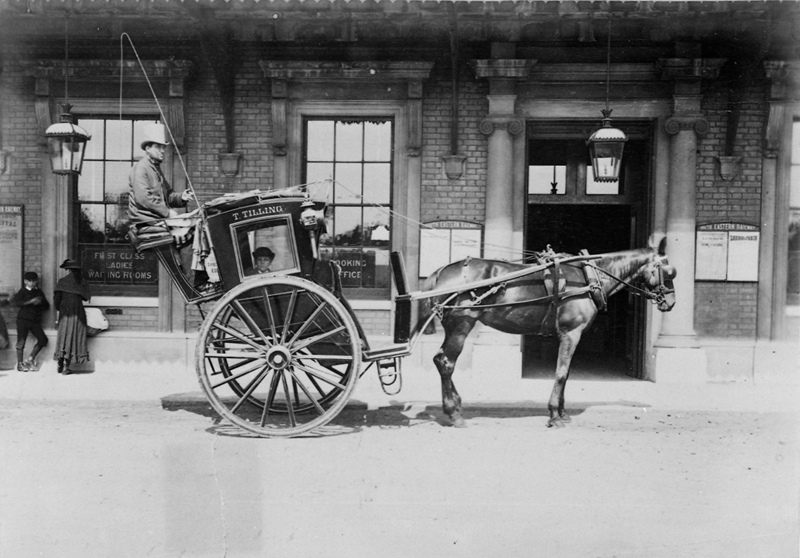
(455, 333)
(568, 342)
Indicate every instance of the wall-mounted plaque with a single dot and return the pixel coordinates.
(727, 252)
(442, 242)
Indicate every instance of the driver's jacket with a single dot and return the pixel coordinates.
(151, 196)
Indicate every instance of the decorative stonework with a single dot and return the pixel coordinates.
(281, 73)
(173, 73)
(784, 79)
(514, 126)
(363, 70)
(784, 88)
(728, 167)
(493, 68)
(696, 123)
(690, 68)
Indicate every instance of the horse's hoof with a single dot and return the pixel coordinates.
(555, 422)
(458, 422)
(565, 418)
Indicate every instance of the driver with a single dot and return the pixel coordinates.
(151, 196)
(151, 201)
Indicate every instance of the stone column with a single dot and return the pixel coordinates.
(677, 352)
(499, 211)
(677, 327)
(503, 128)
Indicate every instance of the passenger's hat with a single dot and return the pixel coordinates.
(70, 264)
(31, 276)
(263, 252)
(154, 132)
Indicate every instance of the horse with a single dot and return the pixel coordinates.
(560, 297)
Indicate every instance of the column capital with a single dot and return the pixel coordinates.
(511, 124)
(784, 77)
(678, 123)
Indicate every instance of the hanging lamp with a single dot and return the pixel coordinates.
(66, 140)
(607, 143)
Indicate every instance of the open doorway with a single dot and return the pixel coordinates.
(568, 211)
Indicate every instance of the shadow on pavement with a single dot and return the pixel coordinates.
(356, 415)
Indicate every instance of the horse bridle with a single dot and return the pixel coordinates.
(656, 295)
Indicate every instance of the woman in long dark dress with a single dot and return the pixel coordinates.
(70, 293)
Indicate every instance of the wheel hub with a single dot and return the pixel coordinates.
(278, 357)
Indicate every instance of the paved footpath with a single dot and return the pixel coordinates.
(162, 382)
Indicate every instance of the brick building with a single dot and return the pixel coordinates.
(482, 104)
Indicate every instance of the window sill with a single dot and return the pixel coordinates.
(125, 301)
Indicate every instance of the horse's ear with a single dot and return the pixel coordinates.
(659, 244)
(662, 246)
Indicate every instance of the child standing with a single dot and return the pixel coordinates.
(32, 304)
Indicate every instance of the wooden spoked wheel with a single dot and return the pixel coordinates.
(278, 356)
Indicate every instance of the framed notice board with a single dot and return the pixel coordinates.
(727, 252)
(11, 249)
(442, 242)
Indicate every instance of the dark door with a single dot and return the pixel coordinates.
(569, 212)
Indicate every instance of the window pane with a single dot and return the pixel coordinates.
(595, 188)
(116, 180)
(794, 186)
(94, 147)
(347, 226)
(90, 184)
(349, 141)
(118, 139)
(116, 223)
(796, 142)
(318, 171)
(92, 223)
(376, 227)
(377, 141)
(541, 177)
(320, 140)
(377, 182)
(348, 183)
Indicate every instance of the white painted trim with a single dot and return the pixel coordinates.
(125, 301)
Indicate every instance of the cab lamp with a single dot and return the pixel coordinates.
(66, 144)
(605, 149)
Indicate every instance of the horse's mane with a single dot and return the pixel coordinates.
(625, 263)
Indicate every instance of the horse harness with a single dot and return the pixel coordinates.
(555, 285)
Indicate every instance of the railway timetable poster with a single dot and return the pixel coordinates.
(10, 249)
(727, 252)
(443, 242)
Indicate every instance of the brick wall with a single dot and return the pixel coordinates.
(725, 309)
(21, 183)
(464, 198)
(721, 308)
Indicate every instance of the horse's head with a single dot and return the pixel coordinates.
(656, 277)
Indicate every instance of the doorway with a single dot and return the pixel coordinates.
(569, 212)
